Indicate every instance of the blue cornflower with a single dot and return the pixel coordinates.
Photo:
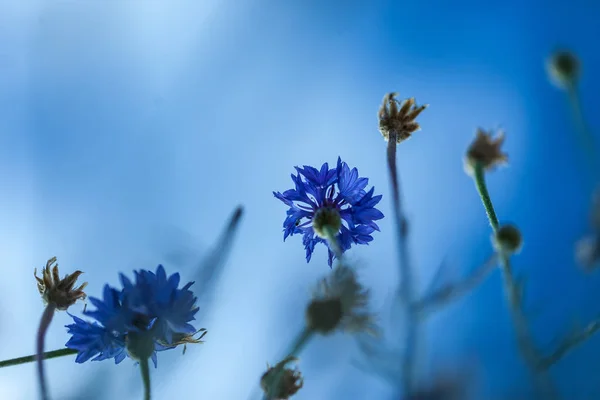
(322, 200)
(152, 311)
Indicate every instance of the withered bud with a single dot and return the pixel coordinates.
(290, 380)
(486, 151)
(56, 291)
(399, 117)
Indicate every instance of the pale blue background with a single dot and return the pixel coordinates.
(129, 130)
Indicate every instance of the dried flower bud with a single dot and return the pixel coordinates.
(563, 69)
(485, 151)
(400, 120)
(290, 380)
(507, 239)
(58, 291)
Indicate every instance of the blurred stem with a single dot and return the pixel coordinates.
(584, 134)
(570, 342)
(451, 291)
(47, 316)
(405, 289)
(527, 347)
(46, 356)
(525, 342)
(145, 370)
(295, 350)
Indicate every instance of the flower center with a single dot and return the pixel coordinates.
(326, 219)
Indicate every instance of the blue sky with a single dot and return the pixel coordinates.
(129, 131)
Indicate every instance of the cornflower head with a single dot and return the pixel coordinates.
(150, 315)
(56, 291)
(330, 206)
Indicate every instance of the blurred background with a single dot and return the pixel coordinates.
(130, 130)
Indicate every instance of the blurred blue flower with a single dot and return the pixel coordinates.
(338, 190)
(153, 306)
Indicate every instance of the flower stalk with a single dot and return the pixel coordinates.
(397, 124)
(45, 321)
(45, 356)
(145, 370)
(526, 344)
(405, 289)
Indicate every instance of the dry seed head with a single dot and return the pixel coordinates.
(290, 383)
(58, 291)
(486, 151)
(400, 120)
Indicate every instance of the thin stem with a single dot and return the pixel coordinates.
(530, 353)
(585, 137)
(451, 291)
(405, 289)
(570, 342)
(46, 356)
(145, 370)
(41, 337)
(485, 196)
(525, 342)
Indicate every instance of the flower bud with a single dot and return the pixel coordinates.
(507, 239)
(563, 68)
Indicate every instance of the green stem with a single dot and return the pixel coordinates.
(406, 286)
(45, 321)
(532, 356)
(145, 370)
(485, 196)
(46, 356)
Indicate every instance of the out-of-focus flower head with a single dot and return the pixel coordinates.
(56, 291)
(399, 117)
(587, 249)
(563, 68)
(486, 151)
(340, 303)
(330, 199)
(151, 310)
